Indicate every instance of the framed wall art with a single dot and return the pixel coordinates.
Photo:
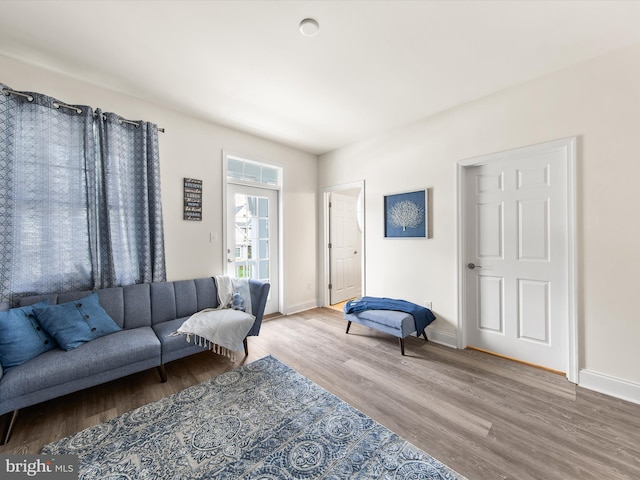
(405, 215)
(192, 199)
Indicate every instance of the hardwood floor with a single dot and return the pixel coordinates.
(486, 417)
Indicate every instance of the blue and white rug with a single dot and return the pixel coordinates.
(260, 421)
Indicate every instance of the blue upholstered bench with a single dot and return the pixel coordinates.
(399, 324)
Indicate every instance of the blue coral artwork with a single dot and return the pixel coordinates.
(405, 214)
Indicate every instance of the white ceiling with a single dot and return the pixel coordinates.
(374, 65)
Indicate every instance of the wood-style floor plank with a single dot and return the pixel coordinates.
(486, 417)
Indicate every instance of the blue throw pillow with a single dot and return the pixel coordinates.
(75, 323)
(21, 337)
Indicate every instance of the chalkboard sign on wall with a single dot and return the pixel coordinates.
(192, 199)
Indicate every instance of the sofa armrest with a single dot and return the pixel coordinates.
(259, 293)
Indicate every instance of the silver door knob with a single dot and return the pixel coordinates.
(471, 266)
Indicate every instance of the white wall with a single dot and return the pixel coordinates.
(597, 101)
(193, 148)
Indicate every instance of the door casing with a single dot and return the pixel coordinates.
(570, 144)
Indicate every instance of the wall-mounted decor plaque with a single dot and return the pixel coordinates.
(192, 199)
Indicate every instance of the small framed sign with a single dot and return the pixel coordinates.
(192, 199)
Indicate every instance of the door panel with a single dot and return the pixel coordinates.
(252, 237)
(517, 295)
(490, 302)
(344, 263)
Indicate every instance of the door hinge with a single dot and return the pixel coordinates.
(330, 286)
(329, 245)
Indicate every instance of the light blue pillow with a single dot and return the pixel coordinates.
(75, 323)
(21, 337)
(237, 302)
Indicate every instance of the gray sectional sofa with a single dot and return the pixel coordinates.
(147, 314)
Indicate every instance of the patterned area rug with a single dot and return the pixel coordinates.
(260, 421)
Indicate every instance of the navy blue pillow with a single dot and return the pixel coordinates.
(21, 337)
(75, 323)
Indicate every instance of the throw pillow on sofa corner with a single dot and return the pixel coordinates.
(21, 336)
(75, 323)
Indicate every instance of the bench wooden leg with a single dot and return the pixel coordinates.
(401, 345)
(348, 326)
(9, 422)
(246, 346)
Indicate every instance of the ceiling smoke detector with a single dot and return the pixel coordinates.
(309, 27)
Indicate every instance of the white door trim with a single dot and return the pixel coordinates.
(570, 144)
(323, 282)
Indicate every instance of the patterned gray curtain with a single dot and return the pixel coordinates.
(46, 165)
(77, 211)
(131, 233)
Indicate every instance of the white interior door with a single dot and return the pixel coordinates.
(345, 276)
(516, 256)
(252, 236)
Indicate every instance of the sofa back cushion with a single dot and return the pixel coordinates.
(163, 302)
(181, 298)
(137, 305)
(207, 293)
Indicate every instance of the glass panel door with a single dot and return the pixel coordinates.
(252, 236)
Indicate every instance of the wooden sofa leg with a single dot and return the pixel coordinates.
(163, 373)
(9, 422)
(348, 327)
(424, 334)
(246, 346)
(401, 345)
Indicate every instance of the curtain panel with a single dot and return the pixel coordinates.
(80, 200)
(131, 233)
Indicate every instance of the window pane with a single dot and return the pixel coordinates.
(269, 175)
(264, 269)
(263, 225)
(263, 207)
(264, 248)
(251, 172)
(234, 168)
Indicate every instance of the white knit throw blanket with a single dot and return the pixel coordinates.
(227, 286)
(222, 329)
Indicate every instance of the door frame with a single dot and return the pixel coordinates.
(323, 291)
(280, 208)
(570, 145)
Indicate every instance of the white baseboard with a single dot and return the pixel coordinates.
(301, 307)
(612, 386)
(442, 338)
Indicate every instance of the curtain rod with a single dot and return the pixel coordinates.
(8, 91)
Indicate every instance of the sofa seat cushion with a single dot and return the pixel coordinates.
(57, 366)
(171, 343)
